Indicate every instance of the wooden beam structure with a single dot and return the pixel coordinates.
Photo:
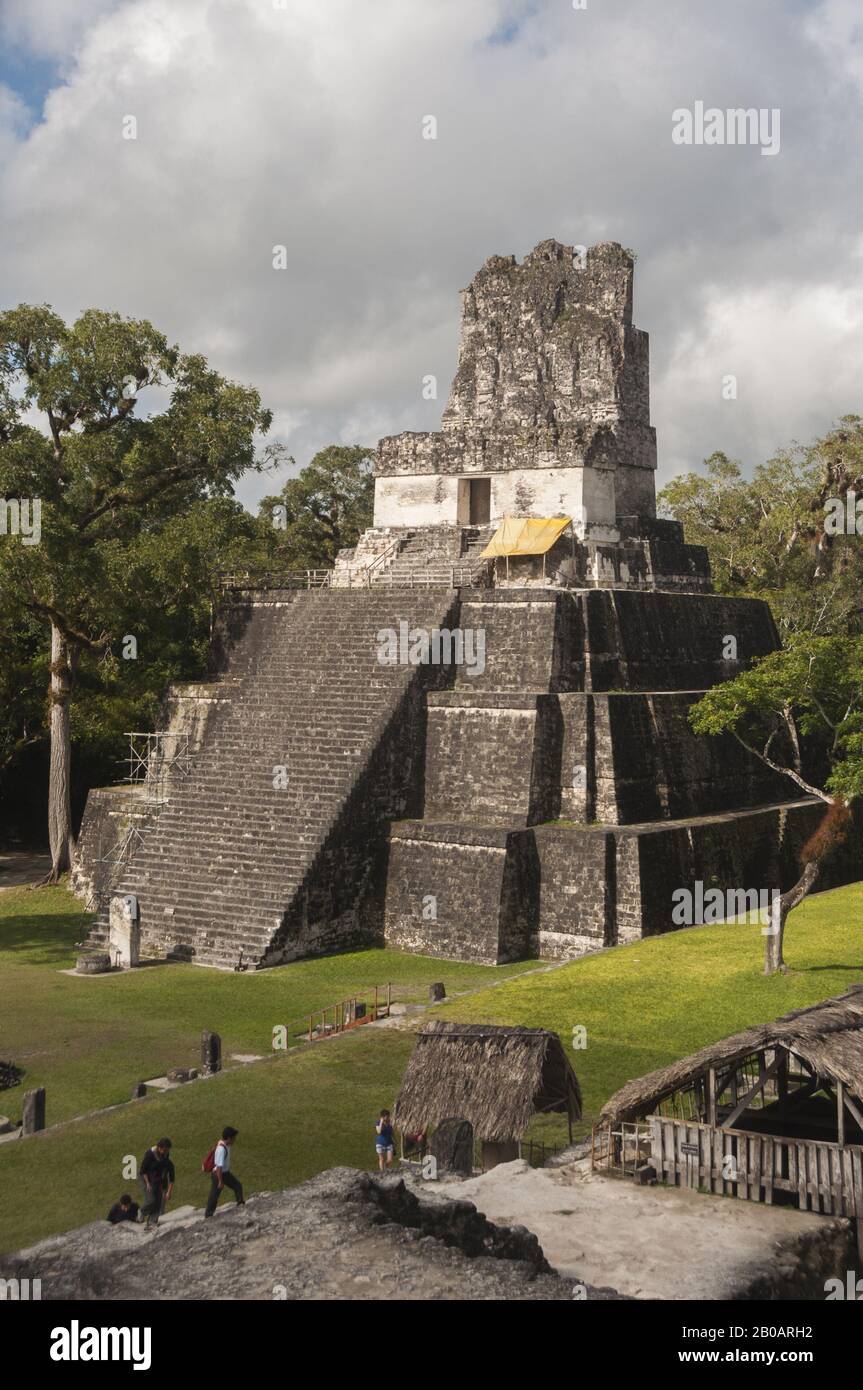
(764, 1075)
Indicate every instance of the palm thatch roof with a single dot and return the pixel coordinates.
(494, 1076)
(828, 1036)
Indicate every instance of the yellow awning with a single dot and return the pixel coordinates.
(520, 535)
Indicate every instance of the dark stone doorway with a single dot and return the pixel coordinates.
(480, 501)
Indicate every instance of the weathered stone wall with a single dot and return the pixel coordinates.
(579, 888)
(607, 640)
(186, 715)
(550, 399)
(460, 892)
(576, 889)
(665, 641)
(492, 759)
(750, 849)
(652, 808)
(519, 641)
(108, 815)
(650, 765)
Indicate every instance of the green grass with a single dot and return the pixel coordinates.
(651, 1002)
(89, 1040)
(297, 1114)
(642, 1005)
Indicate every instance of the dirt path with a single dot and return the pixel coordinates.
(656, 1242)
(18, 868)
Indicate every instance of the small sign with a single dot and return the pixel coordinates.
(689, 1148)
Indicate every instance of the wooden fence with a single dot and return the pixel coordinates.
(823, 1177)
(349, 1013)
(537, 1153)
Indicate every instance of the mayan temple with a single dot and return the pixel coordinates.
(526, 785)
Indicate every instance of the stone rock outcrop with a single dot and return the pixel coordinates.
(342, 1235)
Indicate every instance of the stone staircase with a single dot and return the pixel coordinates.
(437, 556)
(228, 862)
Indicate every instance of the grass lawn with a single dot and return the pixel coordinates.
(297, 1114)
(88, 1040)
(647, 1004)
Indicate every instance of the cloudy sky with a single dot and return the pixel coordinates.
(300, 123)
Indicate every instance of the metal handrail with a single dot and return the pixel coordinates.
(392, 549)
(276, 579)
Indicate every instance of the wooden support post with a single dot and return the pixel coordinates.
(711, 1097)
(852, 1109)
(763, 1075)
(840, 1113)
(782, 1079)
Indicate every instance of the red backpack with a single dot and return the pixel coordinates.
(209, 1162)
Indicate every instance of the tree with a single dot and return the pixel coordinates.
(102, 478)
(772, 538)
(321, 511)
(800, 712)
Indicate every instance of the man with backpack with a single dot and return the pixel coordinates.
(218, 1165)
(157, 1180)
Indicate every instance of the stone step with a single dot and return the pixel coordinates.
(229, 853)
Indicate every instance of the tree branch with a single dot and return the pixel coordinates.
(785, 771)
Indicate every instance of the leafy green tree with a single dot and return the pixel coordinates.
(321, 511)
(23, 672)
(111, 485)
(768, 537)
(800, 712)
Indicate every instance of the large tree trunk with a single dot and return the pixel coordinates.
(779, 910)
(63, 660)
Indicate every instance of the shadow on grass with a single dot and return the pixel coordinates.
(45, 937)
(814, 969)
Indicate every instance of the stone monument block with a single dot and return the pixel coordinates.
(93, 963)
(124, 932)
(34, 1111)
(211, 1053)
(452, 1146)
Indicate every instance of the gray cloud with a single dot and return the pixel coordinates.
(260, 126)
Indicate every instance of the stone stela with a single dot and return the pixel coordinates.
(124, 933)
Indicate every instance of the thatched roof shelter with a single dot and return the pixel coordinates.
(496, 1077)
(828, 1036)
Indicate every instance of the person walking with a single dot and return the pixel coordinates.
(157, 1181)
(221, 1175)
(384, 1140)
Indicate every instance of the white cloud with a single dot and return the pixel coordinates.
(13, 121)
(794, 352)
(301, 126)
(49, 28)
